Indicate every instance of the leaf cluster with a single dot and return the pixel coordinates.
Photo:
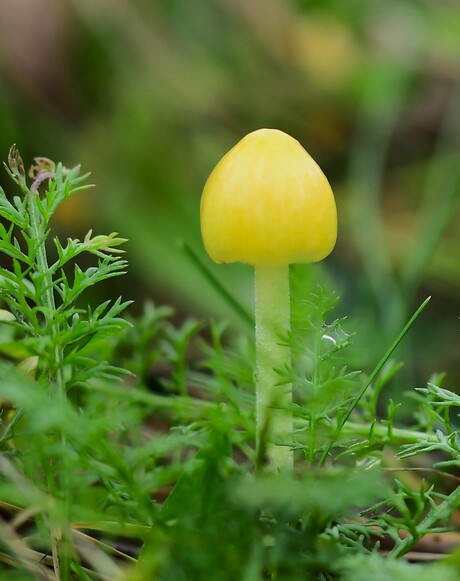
(42, 297)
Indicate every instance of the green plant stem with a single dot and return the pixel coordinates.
(273, 398)
(48, 294)
(398, 435)
(59, 478)
(42, 260)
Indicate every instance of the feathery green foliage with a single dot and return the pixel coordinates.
(127, 446)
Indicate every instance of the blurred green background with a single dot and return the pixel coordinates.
(149, 94)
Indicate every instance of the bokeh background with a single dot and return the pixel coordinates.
(149, 94)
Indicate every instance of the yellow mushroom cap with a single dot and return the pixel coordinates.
(267, 202)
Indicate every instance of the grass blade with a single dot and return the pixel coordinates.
(196, 260)
(372, 376)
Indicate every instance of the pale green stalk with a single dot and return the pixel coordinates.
(273, 399)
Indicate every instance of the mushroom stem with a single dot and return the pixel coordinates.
(273, 399)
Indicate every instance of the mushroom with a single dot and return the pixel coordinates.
(267, 203)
